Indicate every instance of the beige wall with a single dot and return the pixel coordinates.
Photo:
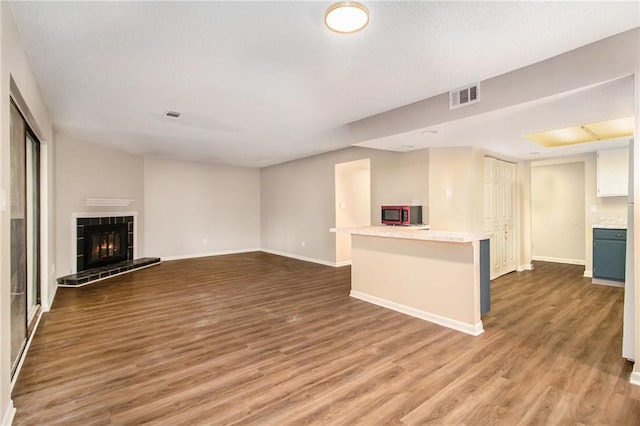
(399, 179)
(558, 212)
(298, 197)
(605, 206)
(85, 170)
(456, 177)
(216, 203)
(14, 65)
(197, 209)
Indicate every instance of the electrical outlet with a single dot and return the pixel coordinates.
(303, 244)
(204, 241)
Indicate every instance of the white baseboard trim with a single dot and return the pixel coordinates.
(559, 260)
(304, 258)
(276, 252)
(472, 329)
(610, 283)
(9, 413)
(635, 378)
(527, 267)
(588, 274)
(213, 253)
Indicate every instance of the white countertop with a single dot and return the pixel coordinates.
(413, 233)
(610, 225)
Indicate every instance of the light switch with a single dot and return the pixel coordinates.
(594, 208)
(343, 205)
(3, 200)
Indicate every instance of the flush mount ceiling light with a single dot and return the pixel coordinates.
(603, 130)
(346, 17)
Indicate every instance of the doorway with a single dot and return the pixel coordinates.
(24, 235)
(558, 213)
(352, 203)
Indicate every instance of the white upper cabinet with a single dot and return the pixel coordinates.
(613, 172)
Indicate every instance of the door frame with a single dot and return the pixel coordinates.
(31, 322)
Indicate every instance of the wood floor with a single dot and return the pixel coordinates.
(261, 339)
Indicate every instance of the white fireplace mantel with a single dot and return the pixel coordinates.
(108, 202)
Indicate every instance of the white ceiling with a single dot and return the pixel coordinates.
(260, 83)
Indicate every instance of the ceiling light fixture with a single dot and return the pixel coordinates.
(593, 132)
(346, 17)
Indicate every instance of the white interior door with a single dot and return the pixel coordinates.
(500, 214)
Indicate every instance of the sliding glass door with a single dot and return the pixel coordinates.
(24, 233)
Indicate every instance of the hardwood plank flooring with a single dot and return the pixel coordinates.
(258, 339)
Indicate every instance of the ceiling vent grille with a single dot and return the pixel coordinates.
(173, 114)
(464, 96)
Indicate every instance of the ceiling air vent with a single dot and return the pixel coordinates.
(464, 96)
(173, 114)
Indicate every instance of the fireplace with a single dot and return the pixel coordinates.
(104, 244)
(103, 248)
(103, 241)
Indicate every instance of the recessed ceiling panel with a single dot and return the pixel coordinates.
(592, 132)
(612, 129)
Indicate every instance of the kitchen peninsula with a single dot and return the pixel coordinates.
(441, 277)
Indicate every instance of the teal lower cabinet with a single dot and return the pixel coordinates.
(485, 281)
(609, 253)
